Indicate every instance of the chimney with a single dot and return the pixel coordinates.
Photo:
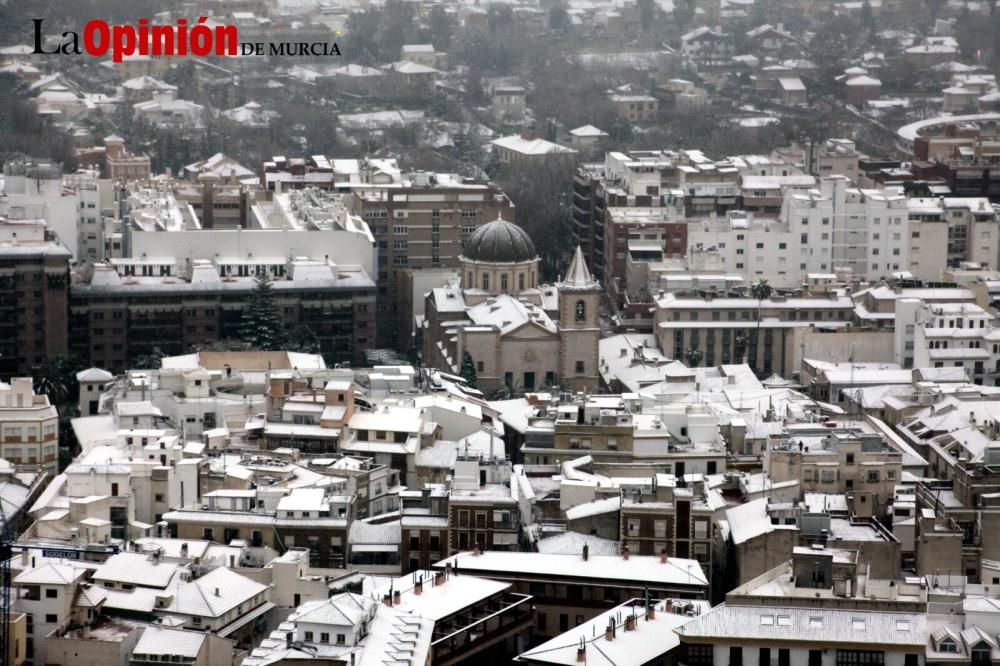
(663, 556)
(418, 587)
(609, 632)
(586, 552)
(625, 552)
(650, 612)
(387, 600)
(217, 593)
(477, 551)
(581, 653)
(630, 623)
(396, 597)
(439, 577)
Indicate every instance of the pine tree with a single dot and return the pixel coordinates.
(468, 370)
(261, 325)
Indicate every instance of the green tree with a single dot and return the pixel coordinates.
(303, 339)
(261, 325)
(559, 17)
(693, 356)
(468, 370)
(150, 361)
(442, 27)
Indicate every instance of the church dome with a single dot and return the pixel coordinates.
(499, 241)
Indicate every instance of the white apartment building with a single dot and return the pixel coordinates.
(71, 205)
(740, 244)
(307, 223)
(29, 427)
(971, 229)
(939, 335)
(841, 226)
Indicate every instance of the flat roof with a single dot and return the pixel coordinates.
(638, 569)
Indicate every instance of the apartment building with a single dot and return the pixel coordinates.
(71, 205)
(45, 594)
(742, 244)
(420, 221)
(633, 230)
(955, 334)
(483, 507)
(472, 615)
(972, 226)
(29, 427)
(34, 295)
(658, 188)
(639, 632)
(576, 588)
(131, 307)
(843, 460)
(680, 439)
(676, 519)
(840, 226)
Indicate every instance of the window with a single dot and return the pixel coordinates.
(400, 230)
(767, 620)
(815, 658)
(579, 367)
(765, 657)
(341, 639)
(659, 529)
(784, 657)
(581, 311)
(51, 618)
(860, 658)
(308, 636)
(324, 637)
(735, 655)
(697, 655)
(51, 593)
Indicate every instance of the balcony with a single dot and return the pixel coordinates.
(477, 629)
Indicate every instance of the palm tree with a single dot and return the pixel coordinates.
(693, 356)
(50, 379)
(741, 346)
(760, 290)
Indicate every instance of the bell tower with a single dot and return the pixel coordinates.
(579, 326)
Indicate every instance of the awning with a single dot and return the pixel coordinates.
(375, 548)
(241, 622)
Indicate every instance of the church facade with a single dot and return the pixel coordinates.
(520, 335)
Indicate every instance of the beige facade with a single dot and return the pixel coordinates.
(29, 427)
(520, 335)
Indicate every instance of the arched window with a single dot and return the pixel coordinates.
(520, 281)
(486, 281)
(503, 282)
(581, 311)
